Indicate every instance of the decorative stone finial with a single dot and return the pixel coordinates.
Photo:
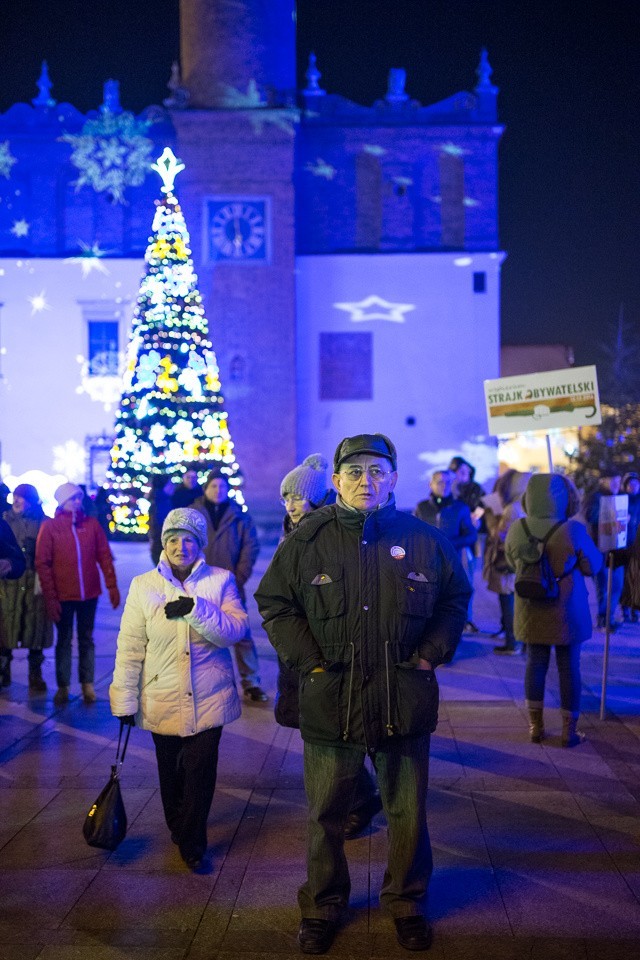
(483, 74)
(395, 89)
(44, 85)
(168, 166)
(179, 95)
(313, 88)
(111, 97)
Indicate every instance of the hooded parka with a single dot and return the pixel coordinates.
(572, 554)
(176, 675)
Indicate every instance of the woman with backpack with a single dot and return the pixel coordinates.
(564, 622)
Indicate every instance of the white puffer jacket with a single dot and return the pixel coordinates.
(175, 675)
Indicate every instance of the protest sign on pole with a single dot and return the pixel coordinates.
(543, 401)
(612, 522)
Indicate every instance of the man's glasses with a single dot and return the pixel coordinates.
(355, 474)
(294, 499)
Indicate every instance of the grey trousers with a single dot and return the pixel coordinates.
(330, 778)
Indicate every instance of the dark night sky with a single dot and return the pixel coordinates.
(568, 74)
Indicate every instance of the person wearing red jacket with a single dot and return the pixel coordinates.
(69, 550)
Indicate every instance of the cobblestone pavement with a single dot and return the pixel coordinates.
(536, 848)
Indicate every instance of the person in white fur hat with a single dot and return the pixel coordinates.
(174, 676)
(70, 550)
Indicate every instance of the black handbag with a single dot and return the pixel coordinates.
(105, 825)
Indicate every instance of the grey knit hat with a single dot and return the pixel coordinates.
(308, 480)
(65, 491)
(189, 521)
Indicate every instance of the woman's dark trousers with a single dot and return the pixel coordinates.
(187, 769)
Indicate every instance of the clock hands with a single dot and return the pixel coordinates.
(237, 239)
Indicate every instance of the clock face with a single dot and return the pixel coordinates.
(237, 230)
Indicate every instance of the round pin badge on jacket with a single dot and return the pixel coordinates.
(398, 553)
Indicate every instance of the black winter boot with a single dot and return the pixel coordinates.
(37, 684)
(5, 670)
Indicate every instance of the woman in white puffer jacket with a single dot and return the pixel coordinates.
(174, 676)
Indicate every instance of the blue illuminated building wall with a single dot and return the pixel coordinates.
(345, 192)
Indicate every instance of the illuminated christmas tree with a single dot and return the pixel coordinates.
(171, 412)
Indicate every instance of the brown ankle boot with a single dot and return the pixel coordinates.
(571, 737)
(536, 725)
(88, 693)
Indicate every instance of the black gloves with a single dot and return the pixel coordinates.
(129, 720)
(178, 608)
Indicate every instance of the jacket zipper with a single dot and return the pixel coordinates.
(389, 725)
(345, 735)
(80, 577)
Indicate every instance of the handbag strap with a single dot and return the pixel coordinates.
(126, 741)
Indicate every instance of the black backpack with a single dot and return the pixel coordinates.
(535, 580)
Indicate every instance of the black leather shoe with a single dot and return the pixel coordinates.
(414, 933)
(360, 818)
(316, 934)
(255, 695)
(193, 857)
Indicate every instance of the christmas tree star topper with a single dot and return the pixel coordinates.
(168, 166)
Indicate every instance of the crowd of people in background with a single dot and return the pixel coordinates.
(53, 590)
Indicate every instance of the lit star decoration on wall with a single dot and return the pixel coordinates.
(452, 149)
(38, 303)
(171, 412)
(90, 259)
(375, 308)
(20, 228)
(321, 169)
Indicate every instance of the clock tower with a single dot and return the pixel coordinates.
(235, 136)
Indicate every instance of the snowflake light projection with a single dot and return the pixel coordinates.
(111, 153)
(70, 459)
(6, 160)
(171, 412)
(99, 380)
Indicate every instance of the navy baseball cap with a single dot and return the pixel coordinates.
(375, 444)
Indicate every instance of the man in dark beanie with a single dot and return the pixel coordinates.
(365, 601)
(233, 545)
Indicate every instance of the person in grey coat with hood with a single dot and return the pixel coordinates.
(565, 622)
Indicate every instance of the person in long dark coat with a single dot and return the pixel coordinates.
(233, 545)
(24, 621)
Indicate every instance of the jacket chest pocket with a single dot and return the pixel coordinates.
(415, 598)
(323, 593)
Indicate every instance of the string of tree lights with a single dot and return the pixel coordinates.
(171, 413)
